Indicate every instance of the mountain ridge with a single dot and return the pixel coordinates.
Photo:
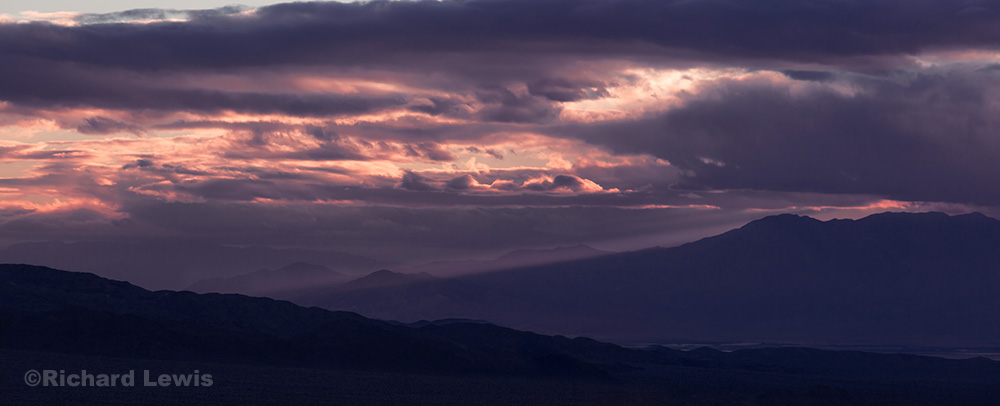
(173, 264)
(271, 282)
(920, 279)
(76, 321)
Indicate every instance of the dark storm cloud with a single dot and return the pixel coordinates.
(817, 76)
(104, 125)
(463, 182)
(559, 182)
(248, 126)
(501, 43)
(430, 151)
(331, 32)
(249, 189)
(413, 181)
(485, 72)
(148, 165)
(492, 152)
(27, 153)
(36, 83)
(442, 106)
(322, 134)
(326, 152)
(157, 14)
(139, 163)
(928, 136)
(248, 184)
(564, 90)
(502, 105)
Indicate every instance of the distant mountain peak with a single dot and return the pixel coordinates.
(385, 277)
(790, 219)
(271, 281)
(385, 274)
(781, 220)
(977, 217)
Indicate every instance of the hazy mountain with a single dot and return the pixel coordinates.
(272, 282)
(924, 279)
(513, 259)
(381, 279)
(303, 279)
(376, 292)
(174, 265)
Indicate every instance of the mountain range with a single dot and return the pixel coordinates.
(294, 280)
(272, 282)
(79, 313)
(264, 351)
(914, 279)
(513, 259)
(173, 264)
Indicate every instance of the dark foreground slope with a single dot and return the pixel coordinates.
(80, 313)
(899, 279)
(261, 351)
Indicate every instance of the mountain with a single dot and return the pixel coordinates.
(373, 293)
(381, 279)
(264, 351)
(303, 279)
(513, 259)
(272, 283)
(174, 265)
(913, 279)
(42, 307)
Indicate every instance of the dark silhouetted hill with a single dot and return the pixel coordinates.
(80, 313)
(268, 352)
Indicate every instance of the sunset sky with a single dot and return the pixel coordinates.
(443, 129)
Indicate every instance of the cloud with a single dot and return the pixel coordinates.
(327, 32)
(491, 124)
(490, 151)
(430, 151)
(157, 14)
(926, 136)
(817, 76)
(504, 106)
(400, 232)
(464, 182)
(442, 106)
(50, 84)
(562, 182)
(413, 181)
(563, 90)
(104, 125)
(28, 152)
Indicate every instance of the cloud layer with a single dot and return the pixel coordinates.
(470, 127)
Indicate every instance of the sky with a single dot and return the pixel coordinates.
(429, 130)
